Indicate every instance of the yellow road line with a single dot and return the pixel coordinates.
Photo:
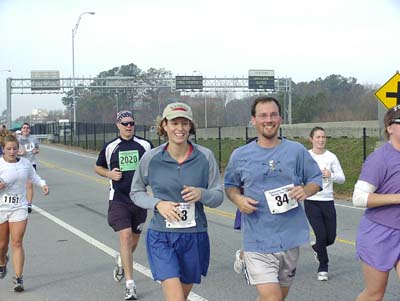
(220, 212)
(207, 209)
(345, 241)
(76, 173)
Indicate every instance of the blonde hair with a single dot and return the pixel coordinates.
(8, 138)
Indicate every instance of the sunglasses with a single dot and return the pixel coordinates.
(396, 121)
(126, 123)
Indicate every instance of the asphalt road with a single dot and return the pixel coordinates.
(70, 248)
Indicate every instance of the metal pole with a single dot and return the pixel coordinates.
(8, 92)
(73, 74)
(290, 100)
(9, 119)
(205, 111)
(74, 30)
(364, 144)
(116, 100)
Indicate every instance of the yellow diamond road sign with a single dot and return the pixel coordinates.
(389, 93)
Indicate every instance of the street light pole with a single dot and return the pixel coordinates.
(74, 30)
(8, 93)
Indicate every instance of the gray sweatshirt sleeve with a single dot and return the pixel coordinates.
(139, 185)
(213, 196)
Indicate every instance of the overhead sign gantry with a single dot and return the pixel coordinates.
(49, 82)
(261, 79)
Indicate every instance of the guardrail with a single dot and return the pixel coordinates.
(43, 137)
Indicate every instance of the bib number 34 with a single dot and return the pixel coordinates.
(278, 199)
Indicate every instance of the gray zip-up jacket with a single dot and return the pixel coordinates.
(166, 177)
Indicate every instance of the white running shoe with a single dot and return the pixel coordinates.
(118, 272)
(322, 276)
(315, 254)
(238, 265)
(130, 293)
(18, 285)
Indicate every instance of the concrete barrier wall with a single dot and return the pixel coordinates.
(350, 129)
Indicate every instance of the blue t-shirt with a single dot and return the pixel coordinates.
(259, 169)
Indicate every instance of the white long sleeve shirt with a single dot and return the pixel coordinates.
(15, 176)
(329, 161)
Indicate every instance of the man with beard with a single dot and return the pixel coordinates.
(276, 175)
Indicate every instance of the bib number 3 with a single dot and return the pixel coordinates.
(187, 217)
(278, 199)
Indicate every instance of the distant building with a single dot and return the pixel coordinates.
(39, 116)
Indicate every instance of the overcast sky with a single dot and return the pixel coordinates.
(303, 40)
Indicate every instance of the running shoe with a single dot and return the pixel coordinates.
(322, 276)
(3, 269)
(238, 265)
(29, 208)
(130, 293)
(315, 254)
(18, 284)
(118, 272)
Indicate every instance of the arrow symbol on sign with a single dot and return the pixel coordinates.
(395, 94)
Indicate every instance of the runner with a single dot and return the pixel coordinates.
(238, 265)
(14, 173)
(184, 178)
(276, 175)
(118, 161)
(320, 208)
(378, 190)
(28, 148)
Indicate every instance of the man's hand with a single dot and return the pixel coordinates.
(115, 174)
(298, 193)
(247, 205)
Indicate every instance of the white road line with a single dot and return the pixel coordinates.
(350, 207)
(106, 249)
(68, 152)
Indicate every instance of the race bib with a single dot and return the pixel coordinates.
(11, 198)
(278, 199)
(29, 146)
(187, 217)
(128, 160)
